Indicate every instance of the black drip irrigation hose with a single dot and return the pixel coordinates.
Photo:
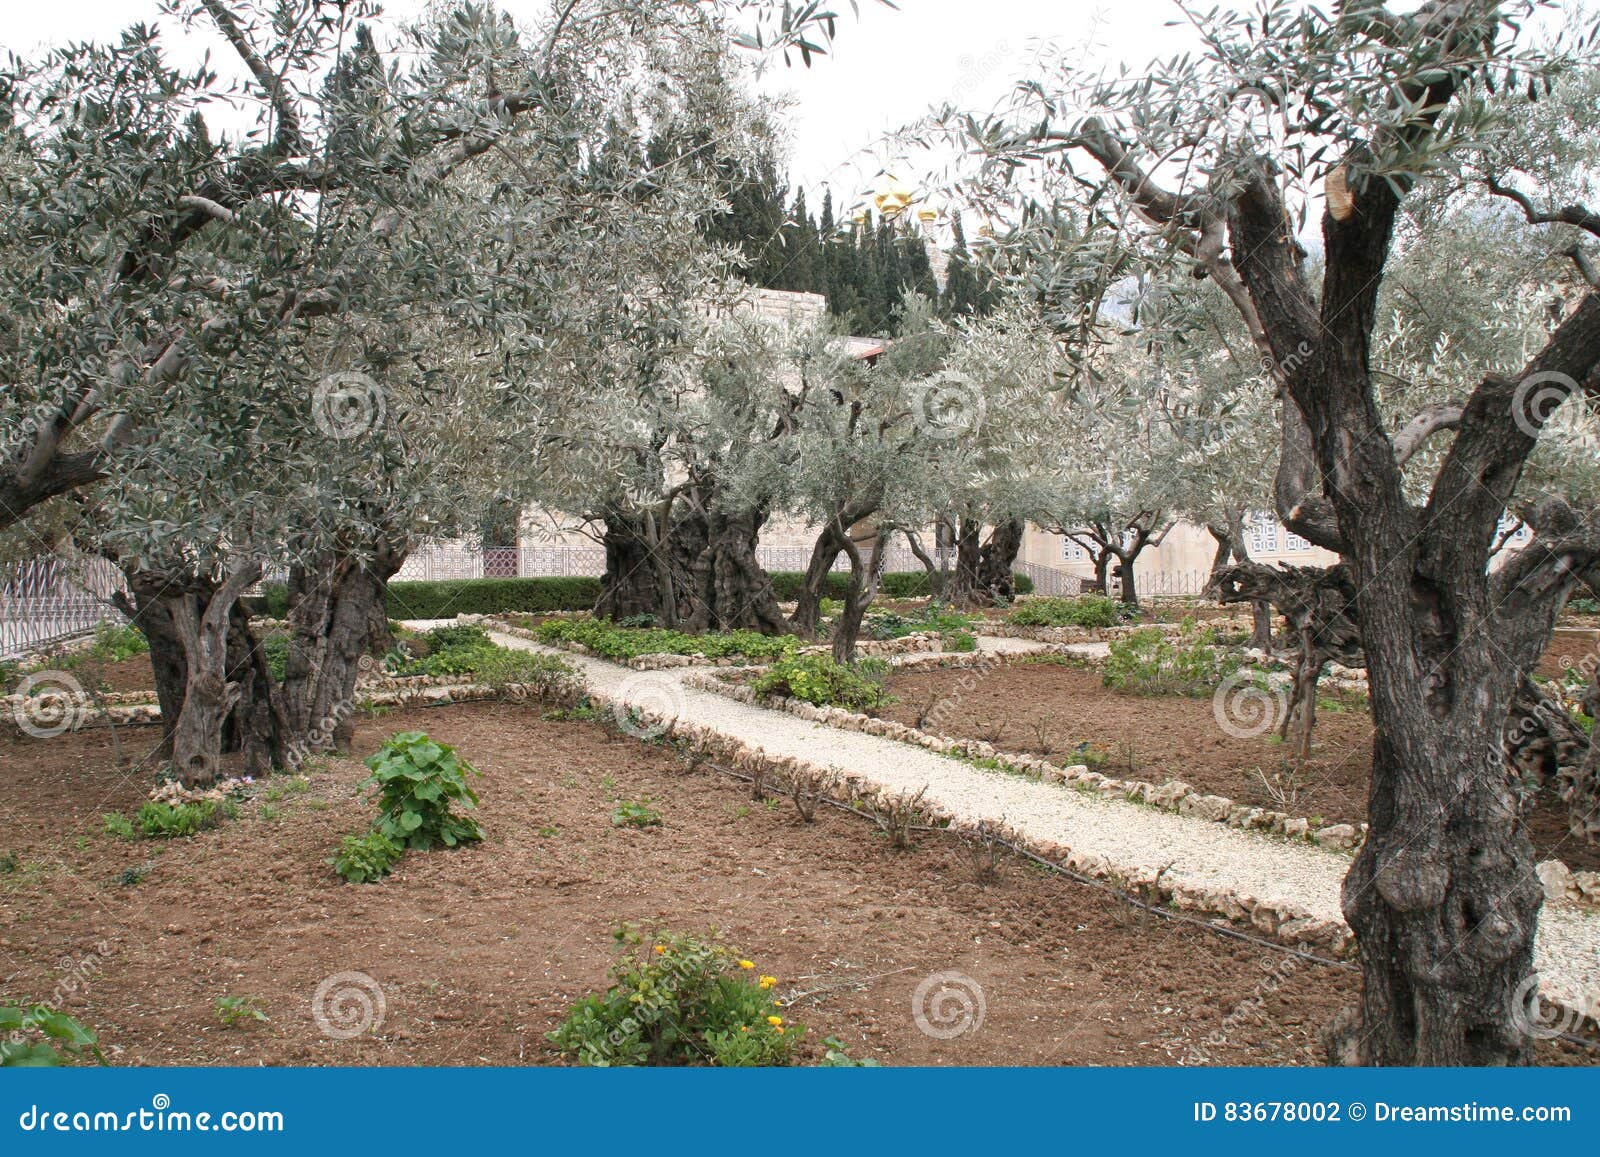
(1119, 893)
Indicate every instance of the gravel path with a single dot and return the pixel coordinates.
(1134, 839)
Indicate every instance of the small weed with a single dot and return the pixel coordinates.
(233, 1011)
(134, 876)
(1282, 787)
(119, 825)
(635, 813)
(10, 864)
(984, 851)
(271, 814)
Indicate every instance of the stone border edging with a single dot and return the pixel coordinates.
(1286, 923)
(1174, 795)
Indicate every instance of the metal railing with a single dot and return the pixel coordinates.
(47, 599)
(1053, 583)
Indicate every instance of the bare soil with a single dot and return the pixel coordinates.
(480, 951)
(1066, 713)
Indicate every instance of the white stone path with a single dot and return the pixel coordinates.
(1135, 839)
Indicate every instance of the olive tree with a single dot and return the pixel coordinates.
(1286, 112)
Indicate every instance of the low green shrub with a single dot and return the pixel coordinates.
(445, 599)
(117, 642)
(167, 821)
(1584, 606)
(366, 859)
(418, 779)
(1146, 662)
(1094, 611)
(684, 1000)
(907, 584)
(933, 619)
(818, 680)
(612, 641)
(38, 1036)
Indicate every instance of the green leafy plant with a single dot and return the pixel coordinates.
(1147, 662)
(1584, 606)
(38, 1036)
(116, 642)
(233, 1011)
(837, 1057)
(635, 813)
(167, 821)
(418, 780)
(1095, 611)
(818, 680)
(680, 1000)
(366, 859)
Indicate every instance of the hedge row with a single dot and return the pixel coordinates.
(447, 598)
(907, 584)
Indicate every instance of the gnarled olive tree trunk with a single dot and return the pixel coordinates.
(983, 566)
(203, 621)
(865, 574)
(698, 572)
(337, 622)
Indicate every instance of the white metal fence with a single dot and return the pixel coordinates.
(465, 562)
(46, 599)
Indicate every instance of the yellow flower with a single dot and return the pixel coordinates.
(744, 1028)
(661, 949)
(746, 964)
(774, 1021)
(768, 981)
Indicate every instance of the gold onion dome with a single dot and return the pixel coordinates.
(893, 196)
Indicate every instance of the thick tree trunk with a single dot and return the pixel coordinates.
(807, 614)
(152, 608)
(203, 623)
(337, 622)
(638, 578)
(1102, 568)
(1125, 575)
(727, 588)
(864, 578)
(997, 559)
(1442, 896)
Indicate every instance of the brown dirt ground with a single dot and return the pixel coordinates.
(1169, 737)
(481, 950)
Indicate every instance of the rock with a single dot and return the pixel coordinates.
(1338, 836)
(1298, 828)
(1557, 880)
(1205, 807)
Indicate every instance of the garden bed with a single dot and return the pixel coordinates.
(1157, 738)
(479, 952)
